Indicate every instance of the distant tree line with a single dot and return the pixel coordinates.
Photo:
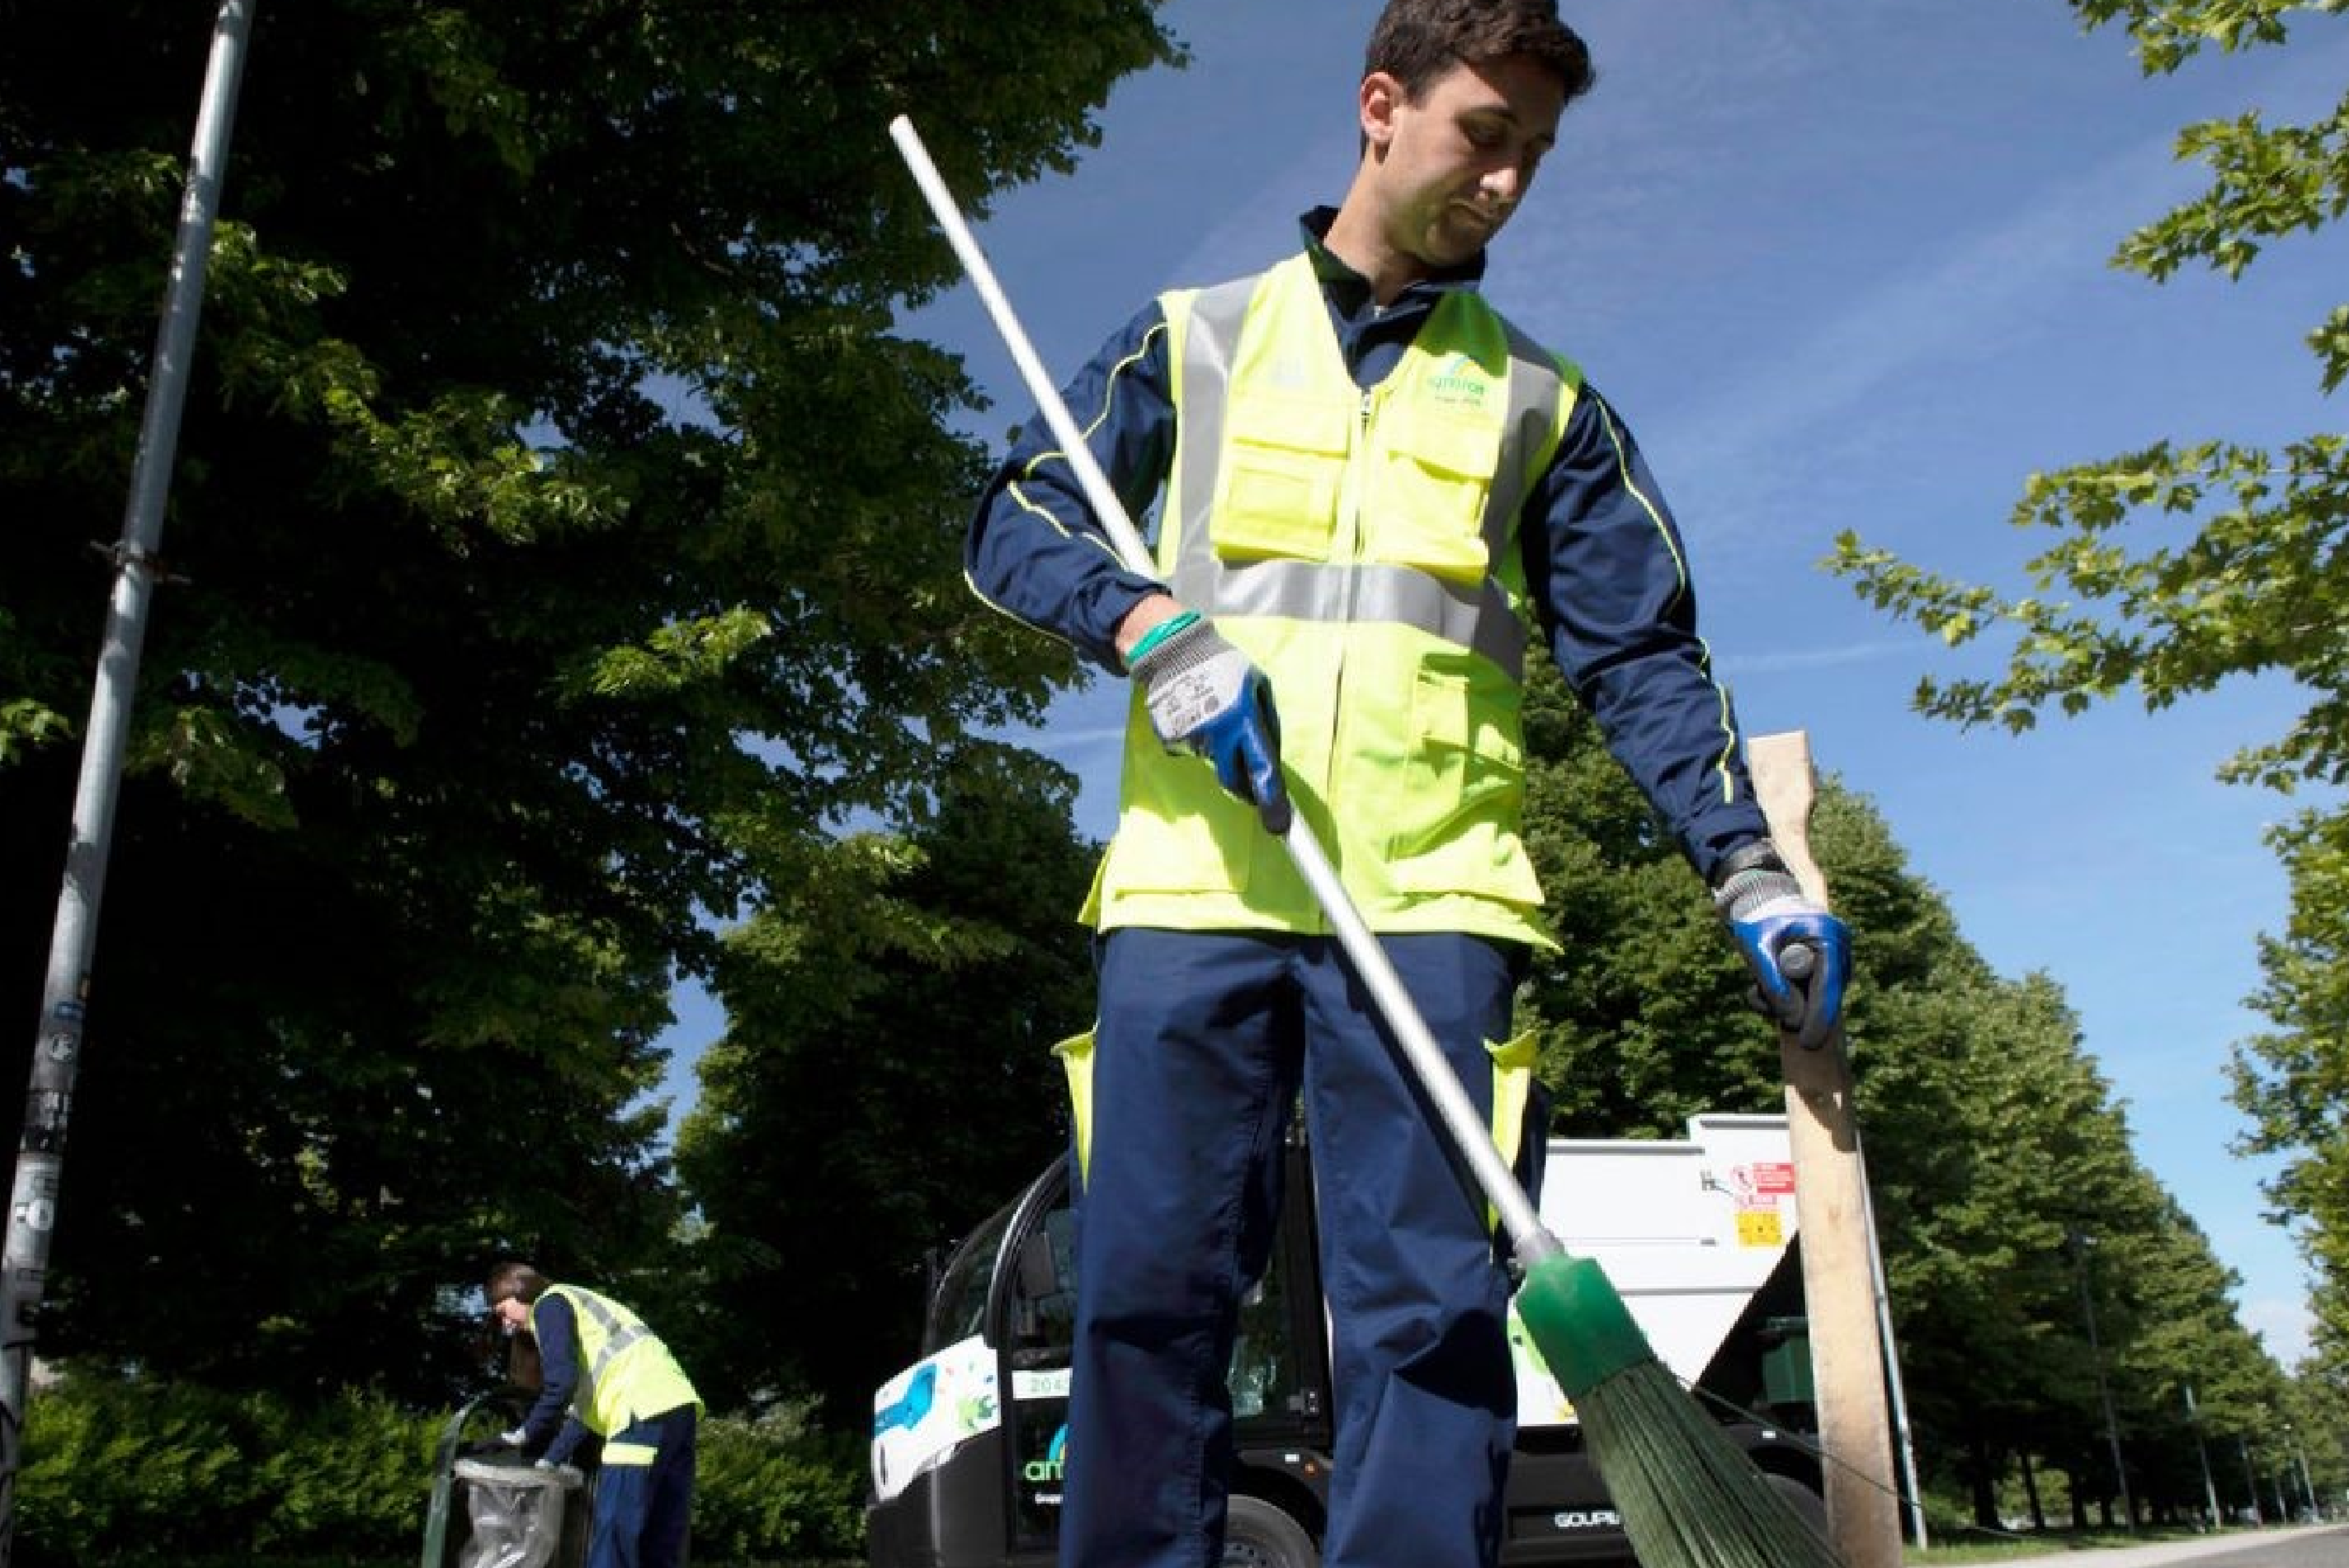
(2174, 570)
(564, 551)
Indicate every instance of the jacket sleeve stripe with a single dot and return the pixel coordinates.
(1728, 753)
(1647, 504)
(1109, 398)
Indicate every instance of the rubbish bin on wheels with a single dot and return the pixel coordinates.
(515, 1511)
(490, 1508)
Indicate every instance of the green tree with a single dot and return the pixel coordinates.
(1977, 1163)
(1992, 1139)
(2318, 1410)
(1642, 1013)
(2293, 1079)
(2183, 1334)
(564, 532)
(1638, 1014)
(2254, 587)
(886, 1080)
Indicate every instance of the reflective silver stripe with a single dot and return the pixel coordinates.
(1537, 396)
(617, 1334)
(619, 1342)
(1208, 342)
(1479, 618)
(1471, 616)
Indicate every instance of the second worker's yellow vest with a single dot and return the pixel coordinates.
(625, 1373)
(1360, 547)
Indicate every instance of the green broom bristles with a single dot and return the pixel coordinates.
(1690, 1498)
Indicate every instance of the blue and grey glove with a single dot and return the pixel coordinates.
(1800, 955)
(1203, 696)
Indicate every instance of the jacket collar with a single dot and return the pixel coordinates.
(1350, 291)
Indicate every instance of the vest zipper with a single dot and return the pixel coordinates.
(1358, 475)
(1354, 509)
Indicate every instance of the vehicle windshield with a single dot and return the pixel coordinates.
(958, 1310)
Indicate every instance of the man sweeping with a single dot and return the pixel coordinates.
(1365, 472)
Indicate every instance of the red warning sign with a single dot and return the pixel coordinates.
(1761, 1183)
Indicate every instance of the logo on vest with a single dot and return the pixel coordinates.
(1461, 383)
(1288, 375)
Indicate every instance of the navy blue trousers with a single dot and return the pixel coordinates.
(1202, 1042)
(644, 1504)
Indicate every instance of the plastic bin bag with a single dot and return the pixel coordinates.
(515, 1511)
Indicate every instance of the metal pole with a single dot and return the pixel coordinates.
(65, 997)
(2300, 1457)
(2080, 1243)
(1892, 1382)
(2202, 1450)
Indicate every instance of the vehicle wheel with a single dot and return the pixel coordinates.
(1258, 1534)
(1809, 1505)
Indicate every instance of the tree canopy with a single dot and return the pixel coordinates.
(565, 545)
(886, 1080)
(2179, 567)
(2010, 1204)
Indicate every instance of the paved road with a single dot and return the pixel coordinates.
(2303, 1546)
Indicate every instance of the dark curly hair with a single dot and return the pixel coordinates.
(1416, 41)
(514, 1280)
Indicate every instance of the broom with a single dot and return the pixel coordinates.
(1688, 1497)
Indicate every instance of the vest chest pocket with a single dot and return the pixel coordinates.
(1428, 511)
(1284, 464)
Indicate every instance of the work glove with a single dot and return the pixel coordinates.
(510, 1438)
(1203, 696)
(1800, 953)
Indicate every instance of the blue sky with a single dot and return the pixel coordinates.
(1841, 265)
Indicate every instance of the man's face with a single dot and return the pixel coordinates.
(512, 1313)
(1451, 164)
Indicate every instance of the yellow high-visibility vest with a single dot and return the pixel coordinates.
(625, 1373)
(1360, 547)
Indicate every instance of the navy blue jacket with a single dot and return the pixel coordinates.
(1603, 559)
(551, 1431)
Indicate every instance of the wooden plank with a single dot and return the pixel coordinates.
(1831, 1204)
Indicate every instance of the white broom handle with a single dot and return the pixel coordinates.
(1107, 508)
(1469, 1134)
